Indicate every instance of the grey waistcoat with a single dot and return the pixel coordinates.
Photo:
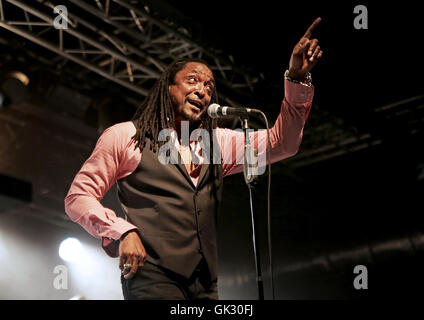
(176, 220)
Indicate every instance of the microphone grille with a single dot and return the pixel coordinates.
(213, 110)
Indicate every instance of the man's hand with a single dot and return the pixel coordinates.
(131, 252)
(305, 55)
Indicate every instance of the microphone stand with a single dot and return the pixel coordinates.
(251, 180)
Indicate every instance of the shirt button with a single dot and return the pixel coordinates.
(200, 250)
(199, 212)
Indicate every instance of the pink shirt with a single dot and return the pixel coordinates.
(114, 158)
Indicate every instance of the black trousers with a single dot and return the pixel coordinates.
(152, 282)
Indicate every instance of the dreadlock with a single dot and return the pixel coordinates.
(156, 112)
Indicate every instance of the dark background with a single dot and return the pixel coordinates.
(360, 69)
(369, 200)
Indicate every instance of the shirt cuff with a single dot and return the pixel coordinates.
(296, 93)
(118, 228)
(111, 245)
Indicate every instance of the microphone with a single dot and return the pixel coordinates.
(216, 111)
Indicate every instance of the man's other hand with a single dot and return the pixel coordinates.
(131, 253)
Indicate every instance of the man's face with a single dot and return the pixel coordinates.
(191, 92)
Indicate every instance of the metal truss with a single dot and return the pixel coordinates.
(333, 138)
(126, 44)
(329, 140)
(130, 44)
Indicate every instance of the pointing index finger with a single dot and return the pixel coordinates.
(313, 26)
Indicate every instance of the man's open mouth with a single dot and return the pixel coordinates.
(195, 103)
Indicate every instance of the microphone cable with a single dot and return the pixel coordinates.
(269, 205)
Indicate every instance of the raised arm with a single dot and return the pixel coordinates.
(286, 134)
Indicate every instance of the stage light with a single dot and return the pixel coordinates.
(70, 249)
(22, 77)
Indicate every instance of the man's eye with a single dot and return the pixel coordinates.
(192, 79)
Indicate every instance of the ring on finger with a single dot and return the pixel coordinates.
(127, 266)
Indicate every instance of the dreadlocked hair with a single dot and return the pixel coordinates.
(156, 112)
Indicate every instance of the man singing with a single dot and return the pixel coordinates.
(167, 243)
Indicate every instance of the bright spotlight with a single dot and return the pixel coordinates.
(20, 76)
(70, 249)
